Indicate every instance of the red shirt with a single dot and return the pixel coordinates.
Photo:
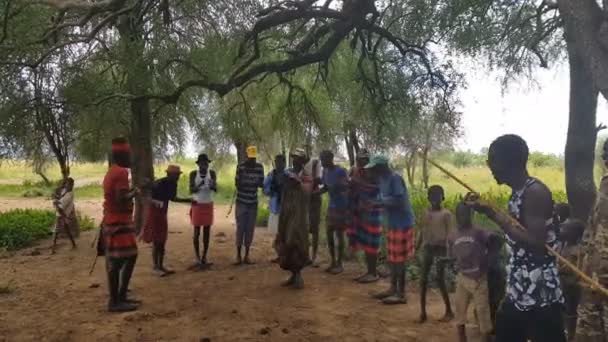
(116, 179)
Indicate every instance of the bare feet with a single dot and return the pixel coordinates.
(290, 281)
(394, 300)
(368, 279)
(384, 294)
(447, 317)
(248, 261)
(337, 269)
(239, 261)
(422, 318)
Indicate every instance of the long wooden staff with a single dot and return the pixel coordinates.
(590, 282)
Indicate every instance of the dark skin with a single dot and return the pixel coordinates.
(298, 163)
(250, 162)
(327, 161)
(158, 250)
(571, 231)
(69, 186)
(395, 294)
(464, 218)
(436, 199)
(537, 206)
(203, 166)
(124, 197)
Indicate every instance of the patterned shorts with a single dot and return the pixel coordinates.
(399, 245)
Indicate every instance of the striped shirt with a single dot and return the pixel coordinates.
(248, 180)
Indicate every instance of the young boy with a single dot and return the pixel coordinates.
(469, 246)
(66, 214)
(571, 232)
(437, 225)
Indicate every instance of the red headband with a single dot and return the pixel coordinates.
(121, 147)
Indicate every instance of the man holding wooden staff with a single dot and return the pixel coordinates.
(532, 306)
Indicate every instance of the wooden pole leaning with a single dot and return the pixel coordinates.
(587, 280)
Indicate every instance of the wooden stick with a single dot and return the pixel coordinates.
(590, 282)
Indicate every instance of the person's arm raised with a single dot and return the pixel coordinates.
(537, 208)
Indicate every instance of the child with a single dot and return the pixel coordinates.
(571, 232)
(66, 215)
(437, 225)
(469, 246)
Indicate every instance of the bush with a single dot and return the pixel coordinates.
(21, 227)
(263, 214)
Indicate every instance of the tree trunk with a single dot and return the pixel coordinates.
(241, 152)
(410, 167)
(354, 140)
(425, 167)
(138, 82)
(349, 150)
(580, 144)
(587, 32)
(46, 180)
(141, 151)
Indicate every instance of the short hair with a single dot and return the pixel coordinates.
(463, 207)
(280, 157)
(327, 153)
(511, 149)
(435, 189)
(562, 210)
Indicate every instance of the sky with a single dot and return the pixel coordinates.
(537, 111)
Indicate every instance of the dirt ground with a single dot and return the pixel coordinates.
(54, 298)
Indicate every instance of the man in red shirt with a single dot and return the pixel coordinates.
(118, 233)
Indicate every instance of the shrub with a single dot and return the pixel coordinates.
(21, 227)
(263, 214)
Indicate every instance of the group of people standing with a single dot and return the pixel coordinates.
(371, 201)
(357, 200)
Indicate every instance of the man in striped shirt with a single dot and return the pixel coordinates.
(249, 177)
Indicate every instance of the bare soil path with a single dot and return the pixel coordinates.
(54, 298)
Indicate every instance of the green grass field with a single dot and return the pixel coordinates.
(18, 180)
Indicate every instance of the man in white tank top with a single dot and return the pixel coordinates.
(203, 182)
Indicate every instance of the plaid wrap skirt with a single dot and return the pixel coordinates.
(400, 245)
(119, 240)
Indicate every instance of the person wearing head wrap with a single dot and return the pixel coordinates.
(249, 178)
(156, 224)
(118, 238)
(203, 183)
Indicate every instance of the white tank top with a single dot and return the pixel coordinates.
(204, 193)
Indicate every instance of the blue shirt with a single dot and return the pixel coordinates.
(395, 199)
(272, 188)
(336, 181)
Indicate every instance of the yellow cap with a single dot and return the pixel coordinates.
(252, 152)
